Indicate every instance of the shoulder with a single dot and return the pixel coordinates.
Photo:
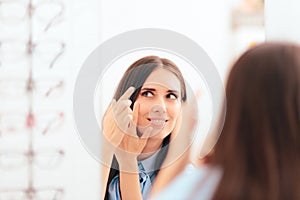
(201, 181)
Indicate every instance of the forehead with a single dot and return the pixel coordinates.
(163, 77)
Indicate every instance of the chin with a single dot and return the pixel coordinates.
(157, 133)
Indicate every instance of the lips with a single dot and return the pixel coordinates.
(157, 122)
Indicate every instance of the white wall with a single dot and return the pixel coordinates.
(205, 22)
(282, 20)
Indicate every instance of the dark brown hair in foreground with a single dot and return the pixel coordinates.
(259, 147)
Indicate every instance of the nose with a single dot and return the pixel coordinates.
(159, 106)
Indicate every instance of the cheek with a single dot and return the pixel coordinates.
(144, 108)
(174, 110)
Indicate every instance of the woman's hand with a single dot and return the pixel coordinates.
(113, 126)
(120, 129)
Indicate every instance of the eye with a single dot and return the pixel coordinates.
(172, 96)
(147, 94)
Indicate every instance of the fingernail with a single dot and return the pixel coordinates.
(131, 87)
(128, 102)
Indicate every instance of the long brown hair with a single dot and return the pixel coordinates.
(135, 76)
(259, 146)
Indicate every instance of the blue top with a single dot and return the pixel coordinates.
(146, 168)
(192, 184)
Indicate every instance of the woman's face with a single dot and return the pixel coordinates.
(160, 103)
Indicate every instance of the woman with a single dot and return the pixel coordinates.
(139, 124)
(258, 153)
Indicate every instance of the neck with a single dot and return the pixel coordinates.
(152, 146)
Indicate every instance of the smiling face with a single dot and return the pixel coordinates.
(160, 103)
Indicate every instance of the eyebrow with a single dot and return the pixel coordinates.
(152, 89)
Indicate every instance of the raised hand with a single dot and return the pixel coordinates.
(116, 118)
(120, 129)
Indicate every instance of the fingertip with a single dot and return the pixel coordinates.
(127, 94)
(132, 88)
(128, 102)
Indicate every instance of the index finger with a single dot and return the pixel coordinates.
(128, 93)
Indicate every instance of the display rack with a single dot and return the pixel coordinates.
(14, 13)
